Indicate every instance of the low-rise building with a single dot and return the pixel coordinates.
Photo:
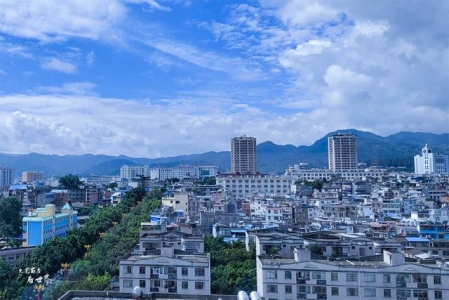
(43, 224)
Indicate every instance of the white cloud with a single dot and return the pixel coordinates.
(90, 57)
(56, 20)
(75, 88)
(55, 64)
(151, 3)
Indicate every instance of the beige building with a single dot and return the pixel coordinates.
(243, 155)
(342, 152)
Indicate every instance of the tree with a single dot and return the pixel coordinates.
(10, 217)
(70, 182)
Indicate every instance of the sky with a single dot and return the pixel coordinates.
(157, 78)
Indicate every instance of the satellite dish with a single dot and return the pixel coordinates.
(137, 292)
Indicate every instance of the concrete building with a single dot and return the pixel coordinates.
(5, 177)
(131, 172)
(166, 261)
(431, 163)
(243, 185)
(43, 224)
(32, 176)
(382, 276)
(342, 152)
(243, 155)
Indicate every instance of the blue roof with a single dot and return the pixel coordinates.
(18, 187)
(416, 239)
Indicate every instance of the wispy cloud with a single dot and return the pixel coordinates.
(152, 3)
(55, 64)
(74, 88)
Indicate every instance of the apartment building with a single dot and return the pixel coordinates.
(431, 163)
(166, 261)
(342, 152)
(43, 224)
(243, 155)
(5, 177)
(241, 186)
(386, 276)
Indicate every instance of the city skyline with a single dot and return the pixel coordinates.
(161, 78)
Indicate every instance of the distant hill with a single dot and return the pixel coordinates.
(391, 151)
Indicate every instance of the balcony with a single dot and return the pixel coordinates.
(321, 282)
(422, 285)
(301, 296)
(172, 276)
(300, 280)
(154, 276)
(322, 296)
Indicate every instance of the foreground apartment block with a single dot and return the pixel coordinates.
(386, 276)
(166, 260)
(181, 274)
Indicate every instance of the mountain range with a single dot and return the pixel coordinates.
(396, 150)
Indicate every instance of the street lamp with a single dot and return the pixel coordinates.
(65, 266)
(38, 288)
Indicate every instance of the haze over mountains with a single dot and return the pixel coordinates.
(396, 150)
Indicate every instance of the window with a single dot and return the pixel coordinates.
(403, 293)
(288, 289)
(288, 275)
(318, 275)
(387, 278)
(185, 271)
(420, 294)
(142, 283)
(387, 293)
(185, 285)
(438, 295)
(128, 269)
(369, 277)
(127, 283)
(351, 277)
(334, 276)
(199, 272)
(199, 285)
(272, 275)
(370, 292)
(271, 288)
(334, 291)
(141, 270)
(437, 279)
(352, 292)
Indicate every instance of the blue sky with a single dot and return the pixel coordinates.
(159, 78)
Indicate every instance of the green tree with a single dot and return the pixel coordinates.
(10, 217)
(70, 182)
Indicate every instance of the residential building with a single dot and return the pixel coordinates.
(383, 276)
(32, 176)
(183, 274)
(342, 152)
(167, 261)
(43, 224)
(132, 172)
(12, 256)
(5, 177)
(243, 185)
(243, 155)
(431, 163)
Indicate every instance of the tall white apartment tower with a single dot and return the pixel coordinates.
(243, 155)
(429, 162)
(5, 177)
(342, 152)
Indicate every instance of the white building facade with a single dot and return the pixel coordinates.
(342, 152)
(431, 163)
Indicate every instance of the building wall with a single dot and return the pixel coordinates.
(5, 177)
(241, 186)
(243, 155)
(342, 152)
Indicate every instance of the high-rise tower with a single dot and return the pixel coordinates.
(243, 155)
(342, 152)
